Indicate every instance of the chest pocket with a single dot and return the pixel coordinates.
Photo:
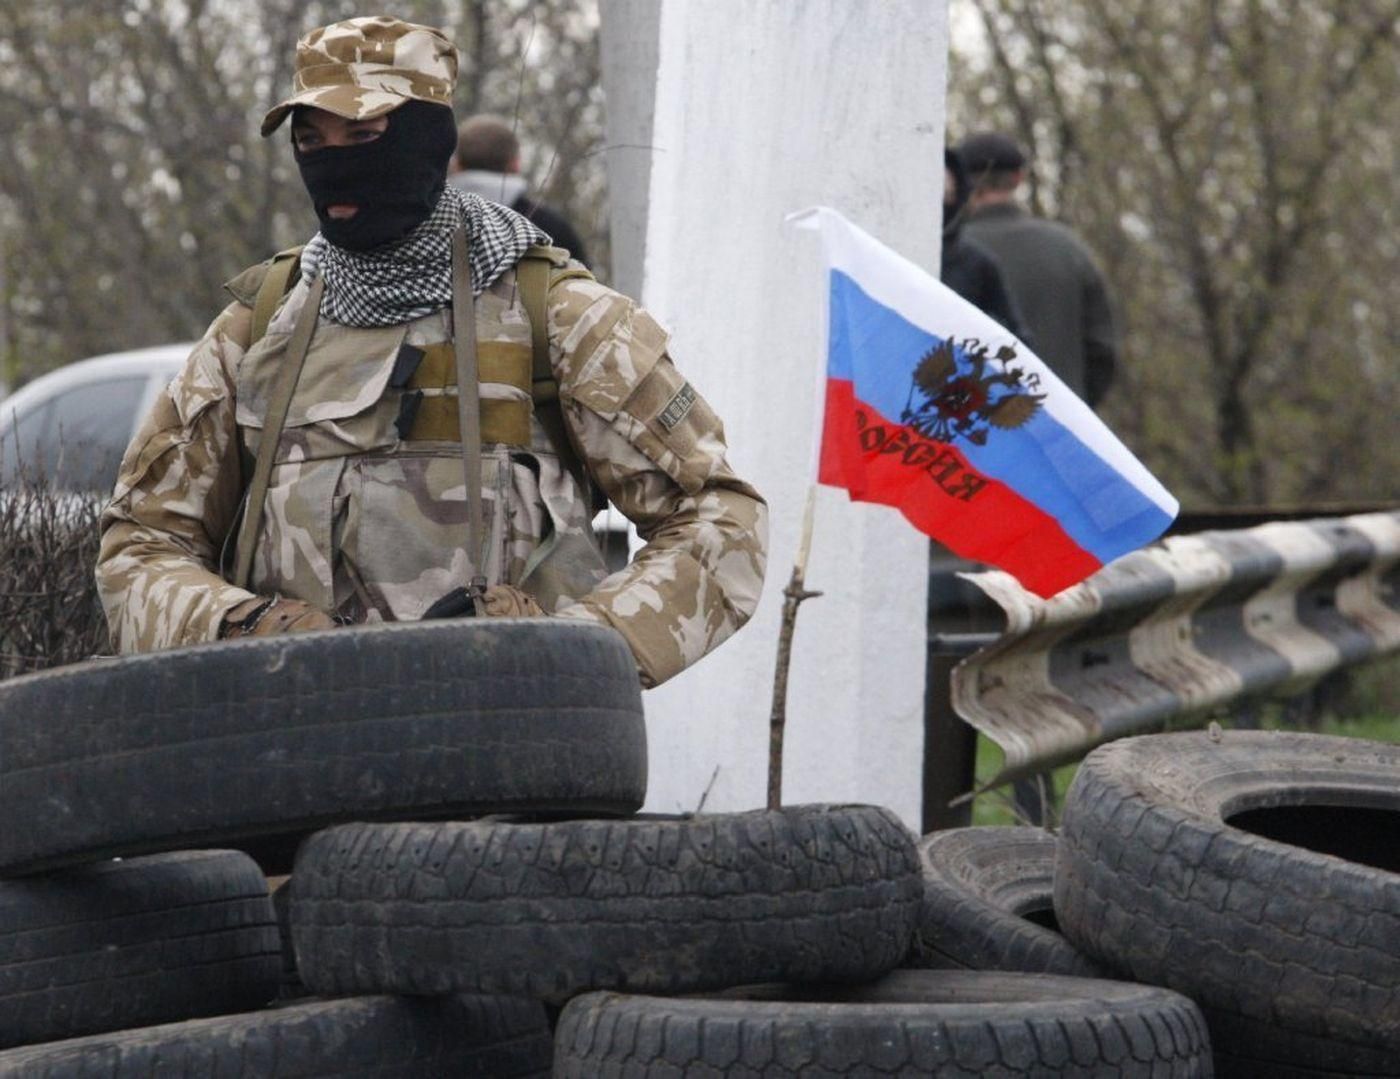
(339, 406)
(427, 378)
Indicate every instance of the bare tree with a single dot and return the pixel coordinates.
(135, 183)
(49, 610)
(1233, 162)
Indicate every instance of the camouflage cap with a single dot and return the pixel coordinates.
(366, 67)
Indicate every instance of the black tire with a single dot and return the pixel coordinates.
(988, 904)
(980, 884)
(1249, 1049)
(254, 743)
(1257, 872)
(807, 893)
(486, 1037)
(1234, 1067)
(289, 983)
(911, 1023)
(127, 944)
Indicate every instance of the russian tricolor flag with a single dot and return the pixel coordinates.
(934, 408)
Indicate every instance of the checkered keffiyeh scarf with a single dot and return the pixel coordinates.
(412, 278)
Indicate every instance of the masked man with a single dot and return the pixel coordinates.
(406, 417)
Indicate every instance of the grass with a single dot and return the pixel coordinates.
(995, 807)
(1367, 705)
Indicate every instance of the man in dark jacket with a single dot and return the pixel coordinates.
(1052, 276)
(967, 267)
(487, 163)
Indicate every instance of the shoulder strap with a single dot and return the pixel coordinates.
(536, 273)
(464, 355)
(273, 424)
(282, 273)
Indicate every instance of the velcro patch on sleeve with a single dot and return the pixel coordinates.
(678, 408)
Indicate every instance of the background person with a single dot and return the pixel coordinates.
(487, 162)
(967, 267)
(1054, 280)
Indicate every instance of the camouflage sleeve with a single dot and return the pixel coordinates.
(658, 451)
(174, 503)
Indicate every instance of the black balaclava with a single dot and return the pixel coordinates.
(395, 180)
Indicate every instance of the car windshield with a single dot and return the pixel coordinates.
(74, 441)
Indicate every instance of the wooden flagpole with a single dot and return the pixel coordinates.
(793, 595)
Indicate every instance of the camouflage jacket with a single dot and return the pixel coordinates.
(369, 524)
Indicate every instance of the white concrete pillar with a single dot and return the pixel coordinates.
(763, 107)
(629, 40)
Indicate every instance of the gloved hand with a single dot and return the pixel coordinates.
(260, 617)
(507, 601)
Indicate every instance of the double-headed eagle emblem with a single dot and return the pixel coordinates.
(965, 396)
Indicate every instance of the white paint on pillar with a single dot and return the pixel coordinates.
(629, 42)
(762, 109)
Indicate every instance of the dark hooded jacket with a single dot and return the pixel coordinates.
(968, 268)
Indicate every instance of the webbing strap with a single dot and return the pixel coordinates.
(468, 408)
(272, 431)
(273, 286)
(532, 273)
(434, 418)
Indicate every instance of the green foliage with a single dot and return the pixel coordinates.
(996, 806)
(1377, 689)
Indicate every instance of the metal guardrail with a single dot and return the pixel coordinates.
(1179, 630)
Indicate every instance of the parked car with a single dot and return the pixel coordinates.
(71, 426)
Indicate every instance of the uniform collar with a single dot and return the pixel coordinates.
(997, 212)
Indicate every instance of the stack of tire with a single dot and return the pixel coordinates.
(1257, 873)
(166, 963)
(471, 892)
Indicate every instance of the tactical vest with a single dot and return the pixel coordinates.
(365, 513)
